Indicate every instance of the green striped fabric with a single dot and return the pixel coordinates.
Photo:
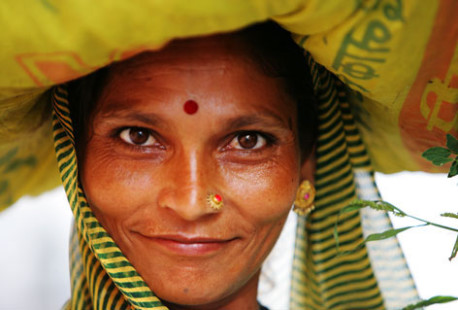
(103, 278)
(364, 279)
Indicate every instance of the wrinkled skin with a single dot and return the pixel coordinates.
(149, 166)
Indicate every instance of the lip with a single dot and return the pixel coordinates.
(189, 246)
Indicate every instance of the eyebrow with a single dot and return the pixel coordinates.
(264, 117)
(126, 113)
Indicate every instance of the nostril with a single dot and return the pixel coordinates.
(189, 203)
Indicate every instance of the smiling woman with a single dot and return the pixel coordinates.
(166, 136)
(181, 164)
(182, 140)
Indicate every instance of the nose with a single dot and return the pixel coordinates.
(187, 183)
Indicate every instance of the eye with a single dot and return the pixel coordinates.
(248, 141)
(137, 136)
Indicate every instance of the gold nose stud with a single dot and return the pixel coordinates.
(215, 201)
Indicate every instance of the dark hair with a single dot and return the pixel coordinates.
(269, 46)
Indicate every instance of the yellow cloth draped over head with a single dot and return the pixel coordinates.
(384, 74)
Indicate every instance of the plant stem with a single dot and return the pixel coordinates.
(432, 223)
(400, 212)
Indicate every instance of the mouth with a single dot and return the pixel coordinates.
(189, 246)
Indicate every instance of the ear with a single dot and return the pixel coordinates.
(308, 168)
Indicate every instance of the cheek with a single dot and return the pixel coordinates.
(114, 186)
(265, 194)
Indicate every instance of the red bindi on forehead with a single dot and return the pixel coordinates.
(190, 107)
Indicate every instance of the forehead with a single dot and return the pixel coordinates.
(215, 70)
(218, 52)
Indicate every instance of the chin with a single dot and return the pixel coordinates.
(191, 297)
(187, 293)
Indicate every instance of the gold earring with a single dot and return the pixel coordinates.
(305, 197)
(215, 201)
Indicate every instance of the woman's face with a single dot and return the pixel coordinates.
(150, 165)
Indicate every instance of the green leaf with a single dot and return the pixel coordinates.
(454, 251)
(438, 155)
(352, 207)
(387, 234)
(381, 205)
(378, 205)
(453, 169)
(432, 301)
(373, 237)
(452, 143)
(449, 214)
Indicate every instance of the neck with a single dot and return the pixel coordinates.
(243, 299)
